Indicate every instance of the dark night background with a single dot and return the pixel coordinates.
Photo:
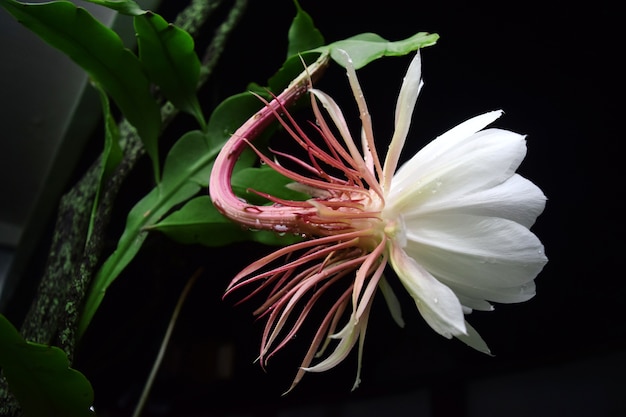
(553, 70)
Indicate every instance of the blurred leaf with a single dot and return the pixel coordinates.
(127, 7)
(167, 53)
(100, 52)
(40, 378)
(303, 35)
(199, 222)
(368, 47)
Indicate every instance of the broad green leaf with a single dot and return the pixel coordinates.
(111, 154)
(303, 35)
(368, 47)
(127, 7)
(100, 52)
(199, 222)
(167, 53)
(186, 170)
(230, 115)
(40, 378)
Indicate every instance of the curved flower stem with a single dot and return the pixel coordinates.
(224, 199)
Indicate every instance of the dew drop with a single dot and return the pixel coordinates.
(436, 300)
(281, 228)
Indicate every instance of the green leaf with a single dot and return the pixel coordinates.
(181, 181)
(199, 222)
(112, 153)
(186, 170)
(368, 47)
(265, 180)
(127, 7)
(100, 52)
(303, 35)
(291, 69)
(167, 53)
(40, 377)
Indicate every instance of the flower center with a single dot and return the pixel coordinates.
(396, 230)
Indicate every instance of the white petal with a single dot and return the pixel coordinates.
(481, 257)
(348, 337)
(405, 105)
(392, 301)
(508, 295)
(516, 199)
(449, 140)
(436, 302)
(484, 160)
(473, 339)
(472, 303)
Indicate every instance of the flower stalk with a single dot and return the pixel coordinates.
(274, 218)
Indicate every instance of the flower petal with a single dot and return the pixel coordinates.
(392, 301)
(473, 339)
(411, 86)
(450, 139)
(516, 199)
(482, 161)
(348, 337)
(437, 303)
(472, 303)
(480, 257)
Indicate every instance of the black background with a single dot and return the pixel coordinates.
(553, 70)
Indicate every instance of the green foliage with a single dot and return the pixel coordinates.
(167, 53)
(40, 378)
(303, 35)
(368, 47)
(264, 180)
(186, 170)
(199, 222)
(100, 52)
(128, 7)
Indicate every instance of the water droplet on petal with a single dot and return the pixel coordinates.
(280, 228)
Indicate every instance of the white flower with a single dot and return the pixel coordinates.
(453, 222)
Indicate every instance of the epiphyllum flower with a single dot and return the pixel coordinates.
(453, 222)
